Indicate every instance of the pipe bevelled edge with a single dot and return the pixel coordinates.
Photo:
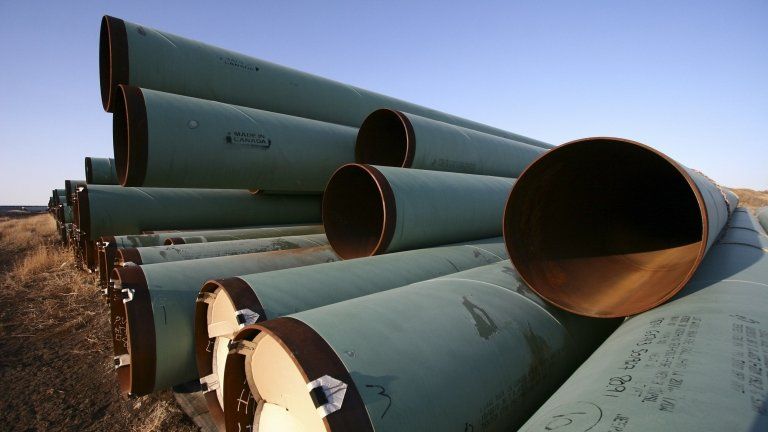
(141, 338)
(113, 59)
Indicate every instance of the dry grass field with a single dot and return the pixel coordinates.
(55, 354)
(751, 198)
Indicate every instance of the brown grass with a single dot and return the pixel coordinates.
(55, 345)
(751, 198)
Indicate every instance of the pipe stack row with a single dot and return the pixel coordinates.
(316, 256)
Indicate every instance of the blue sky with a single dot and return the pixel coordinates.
(687, 77)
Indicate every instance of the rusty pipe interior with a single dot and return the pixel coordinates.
(386, 138)
(355, 211)
(605, 227)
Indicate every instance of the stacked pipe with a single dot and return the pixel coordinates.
(460, 275)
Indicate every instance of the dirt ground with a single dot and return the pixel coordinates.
(751, 198)
(56, 368)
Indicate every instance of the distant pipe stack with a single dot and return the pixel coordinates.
(608, 227)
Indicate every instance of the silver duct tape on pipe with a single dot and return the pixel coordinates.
(282, 292)
(474, 350)
(153, 308)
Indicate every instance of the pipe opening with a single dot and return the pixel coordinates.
(385, 138)
(88, 170)
(113, 59)
(605, 227)
(356, 204)
(130, 136)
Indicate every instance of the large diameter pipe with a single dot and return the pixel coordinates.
(115, 210)
(394, 138)
(608, 227)
(370, 210)
(282, 292)
(70, 188)
(100, 171)
(108, 245)
(185, 252)
(153, 354)
(168, 140)
(762, 215)
(144, 57)
(227, 235)
(474, 350)
(697, 363)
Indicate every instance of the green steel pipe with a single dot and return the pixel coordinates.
(474, 350)
(115, 210)
(167, 140)
(283, 292)
(108, 245)
(59, 196)
(608, 227)
(371, 210)
(184, 252)
(153, 354)
(697, 363)
(140, 56)
(67, 214)
(70, 188)
(762, 215)
(100, 171)
(394, 138)
(225, 235)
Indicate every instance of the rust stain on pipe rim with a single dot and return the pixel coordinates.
(128, 255)
(113, 59)
(605, 227)
(359, 211)
(386, 137)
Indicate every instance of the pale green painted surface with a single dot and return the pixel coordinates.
(436, 208)
(103, 171)
(170, 63)
(173, 288)
(289, 291)
(144, 240)
(693, 364)
(762, 215)
(200, 143)
(445, 147)
(185, 252)
(474, 350)
(117, 210)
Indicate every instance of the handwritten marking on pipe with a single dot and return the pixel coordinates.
(382, 392)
